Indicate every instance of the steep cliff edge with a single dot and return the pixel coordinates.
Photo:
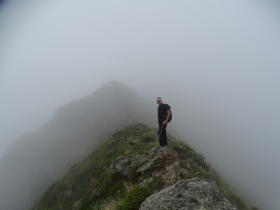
(129, 171)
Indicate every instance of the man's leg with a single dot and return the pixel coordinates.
(160, 128)
(162, 134)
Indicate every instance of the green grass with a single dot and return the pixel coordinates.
(157, 184)
(133, 198)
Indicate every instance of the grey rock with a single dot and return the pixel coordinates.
(175, 165)
(189, 160)
(121, 157)
(105, 168)
(123, 165)
(162, 149)
(137, 141)
(145, 182)
(183, 147)
(188, 195)
(112, 166)
(184, 171)
(171, 175)
(94, 193)
(139, 160)
(66, 183)
(69, 192)
(198, 156)
(77, 204)
(151, 164)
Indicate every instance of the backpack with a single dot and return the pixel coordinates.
(169, 107)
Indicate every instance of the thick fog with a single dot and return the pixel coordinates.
(215, 62)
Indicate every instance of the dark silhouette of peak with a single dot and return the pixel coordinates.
(114, 88)
(36, 160)
(109, 97)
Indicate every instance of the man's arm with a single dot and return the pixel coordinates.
(167, 117)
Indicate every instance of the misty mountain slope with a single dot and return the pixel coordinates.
(35, 160)
(125, 170)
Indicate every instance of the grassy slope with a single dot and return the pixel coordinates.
(89, 184)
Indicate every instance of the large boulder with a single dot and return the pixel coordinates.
(188, 195)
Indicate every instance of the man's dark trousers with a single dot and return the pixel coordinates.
(162, 134)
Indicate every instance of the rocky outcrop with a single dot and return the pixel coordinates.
(164, 163)
(188, 195)
(160, 162)
(129, 172)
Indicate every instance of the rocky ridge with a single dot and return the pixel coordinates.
(130, 172)
(164, 163)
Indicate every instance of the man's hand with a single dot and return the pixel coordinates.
(164, 122)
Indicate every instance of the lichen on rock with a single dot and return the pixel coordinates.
(188, 195)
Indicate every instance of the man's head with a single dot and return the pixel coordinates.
(159, 100)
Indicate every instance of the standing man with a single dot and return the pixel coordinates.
(163, 116)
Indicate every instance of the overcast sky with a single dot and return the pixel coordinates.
(217, 63)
